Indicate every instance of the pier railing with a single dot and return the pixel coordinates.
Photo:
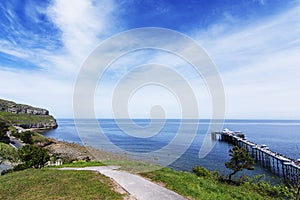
(277, 163)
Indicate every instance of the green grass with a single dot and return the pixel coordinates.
(132, 166)
(192, 186)
(26, 118)
(80, 164)
(126, 165)
(8, 153)
(38, 138)
(55, 184)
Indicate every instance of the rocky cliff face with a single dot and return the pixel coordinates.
(12, 107)
(26, 116)
(41, 125)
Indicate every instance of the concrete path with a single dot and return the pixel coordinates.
(135, 185)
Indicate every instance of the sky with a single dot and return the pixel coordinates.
(254, 44)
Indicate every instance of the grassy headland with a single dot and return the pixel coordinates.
(29, 120)
(26, 116)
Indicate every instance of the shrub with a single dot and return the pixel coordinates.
(201, 171)
(26, 137)
(3, 130)
(20, 167)
(33, 156)
(8, 153)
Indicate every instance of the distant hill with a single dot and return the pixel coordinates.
(26, 116)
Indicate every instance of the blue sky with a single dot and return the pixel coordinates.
(255, 45)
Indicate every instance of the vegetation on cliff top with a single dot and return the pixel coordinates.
(10, 106)
(26, 116)
(29, 120)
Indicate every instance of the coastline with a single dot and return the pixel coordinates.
(181, 182)
(77, 152)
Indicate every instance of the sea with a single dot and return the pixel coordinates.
(176, 143)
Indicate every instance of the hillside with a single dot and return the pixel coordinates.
(26, 116)
(49, 183)
(54, 184)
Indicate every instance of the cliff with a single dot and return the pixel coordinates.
(26, 116)
(12, 107)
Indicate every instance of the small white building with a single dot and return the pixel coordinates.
(57, 162)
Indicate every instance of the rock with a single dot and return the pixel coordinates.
(26, 116)
(12, 107)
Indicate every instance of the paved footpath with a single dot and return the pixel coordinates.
(137, 186)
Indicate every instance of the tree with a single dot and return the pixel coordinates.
(33, 156)
(3, 132)
(26, 137)
(240, 160)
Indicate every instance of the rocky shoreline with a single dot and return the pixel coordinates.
(69, 152)
(73, 151)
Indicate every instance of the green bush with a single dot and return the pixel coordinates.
(264, 188)
(20, 167)
(8, 153)
(201, 171)
(26, 137)
(33, 156)
(3, 129)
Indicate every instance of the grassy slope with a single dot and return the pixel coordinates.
(55, 184)
(192, 186)
(51, 184)
(80, 164)
(7, 152)
(26, 118)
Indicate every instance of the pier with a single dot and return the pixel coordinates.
(277, 163)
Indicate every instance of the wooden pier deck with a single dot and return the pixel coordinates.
(277, 163)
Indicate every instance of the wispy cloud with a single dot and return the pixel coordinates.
(258, 60)
(82, 25)
(259, 63)
(78, 26)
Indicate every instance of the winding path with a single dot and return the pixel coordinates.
(138, 187)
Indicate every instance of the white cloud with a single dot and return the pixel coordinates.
(82, 24)
(7, 48)
(259, 64)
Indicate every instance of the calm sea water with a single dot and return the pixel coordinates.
(280, 135)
